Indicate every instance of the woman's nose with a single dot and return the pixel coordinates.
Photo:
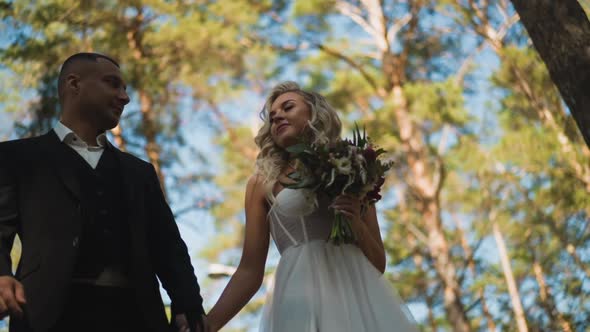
(279, 115)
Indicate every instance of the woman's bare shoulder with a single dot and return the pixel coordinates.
(255, 187)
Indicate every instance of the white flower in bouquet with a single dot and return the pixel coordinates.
(343, 165)
(361, 163)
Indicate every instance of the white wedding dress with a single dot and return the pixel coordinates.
(320, 287)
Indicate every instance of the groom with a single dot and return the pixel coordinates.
(96, 231)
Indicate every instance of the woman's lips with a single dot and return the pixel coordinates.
(281, 127)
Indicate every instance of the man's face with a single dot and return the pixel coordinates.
(103, 95)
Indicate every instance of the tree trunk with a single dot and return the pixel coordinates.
(548, 302)
(471, 265)
(424, 185)
(152, 148)
(512, 288)
(431, 317)
(560, 32)
(415, 239)
(415, 151)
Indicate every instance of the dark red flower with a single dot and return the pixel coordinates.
(370, 154)
(375, 194)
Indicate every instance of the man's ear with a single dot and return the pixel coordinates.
(73, 83)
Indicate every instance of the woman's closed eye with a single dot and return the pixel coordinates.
(286, 109)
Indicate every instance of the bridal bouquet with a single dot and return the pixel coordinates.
(345, 167)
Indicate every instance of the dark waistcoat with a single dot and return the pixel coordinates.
(105, 238)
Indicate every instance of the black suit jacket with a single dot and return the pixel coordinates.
(40, 201)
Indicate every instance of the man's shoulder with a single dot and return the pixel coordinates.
(19, 145)
(134, 161)
(142, 170)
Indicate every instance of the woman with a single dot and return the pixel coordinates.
(318, 286)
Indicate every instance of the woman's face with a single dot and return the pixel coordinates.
(289, 115)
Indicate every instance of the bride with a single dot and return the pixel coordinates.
(318, 286)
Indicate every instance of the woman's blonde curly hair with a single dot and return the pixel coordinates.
(324, 127)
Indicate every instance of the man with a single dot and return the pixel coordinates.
(96, 231)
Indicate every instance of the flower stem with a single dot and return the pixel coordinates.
(341, 230)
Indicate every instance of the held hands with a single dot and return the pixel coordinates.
(183, 325)
(12, 297)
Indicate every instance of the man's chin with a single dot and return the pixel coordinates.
(110, 124)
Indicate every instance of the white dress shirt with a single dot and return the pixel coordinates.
(91, 154)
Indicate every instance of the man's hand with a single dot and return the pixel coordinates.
(205, 327)
(183, 326)
(12, 297)
(181, 323)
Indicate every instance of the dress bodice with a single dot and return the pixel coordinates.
(297, 217)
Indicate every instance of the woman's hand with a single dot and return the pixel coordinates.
(350, 206)
(365, 228)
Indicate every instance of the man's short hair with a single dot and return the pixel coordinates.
(77, 58)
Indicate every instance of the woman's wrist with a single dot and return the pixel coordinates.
(360, 230)
(213, 323)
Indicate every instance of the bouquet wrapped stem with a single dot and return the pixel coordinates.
(342, 232)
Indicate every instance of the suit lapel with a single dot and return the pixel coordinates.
(56, 152)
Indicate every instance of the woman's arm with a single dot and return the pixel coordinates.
(250, 272)
(365, 227)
